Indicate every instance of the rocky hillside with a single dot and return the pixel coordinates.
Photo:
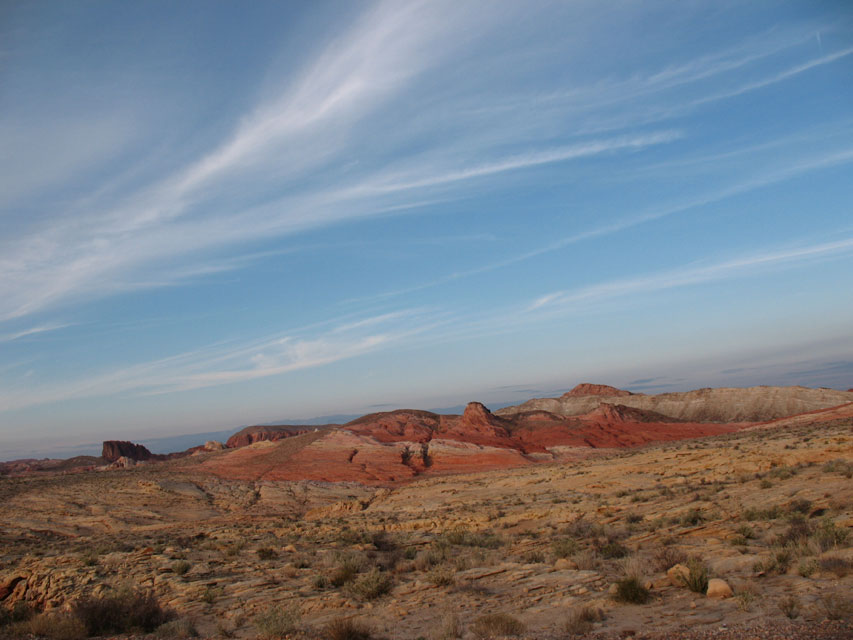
(262, 433)
(392, 447)
(751, 404)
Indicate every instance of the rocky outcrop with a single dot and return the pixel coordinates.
(408, 425)
(272, 433)
(734, 405)
(618, 413)
(115, 449)
(7, 586)
(588, 389)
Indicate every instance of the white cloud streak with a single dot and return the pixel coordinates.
(779, 174)
(686, 276)
(164, 233)
(31, 331)
(229, 363)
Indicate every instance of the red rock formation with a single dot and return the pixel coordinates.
(8, 585)
(394, 426)
(115, 449)
(587, 389)
(261, 433)
(617, 413)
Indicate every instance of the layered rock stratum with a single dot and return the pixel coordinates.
(751, 404)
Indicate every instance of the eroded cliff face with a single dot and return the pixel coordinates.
(115, 449)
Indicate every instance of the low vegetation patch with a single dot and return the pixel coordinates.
(630, 590)
(580, 620)
(347, 629)
(697, 575)
(790, 606)
(496, 625)
(371, 585)
(465, 538)
(564, 547)
(123, 612)
(277, 622)
(265, 553)
(836, 564)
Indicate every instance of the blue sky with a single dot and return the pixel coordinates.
(219, 213)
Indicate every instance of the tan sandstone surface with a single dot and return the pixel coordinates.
(226, 537)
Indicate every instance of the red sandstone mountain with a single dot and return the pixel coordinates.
(587, 389)
(396, 446)
(261, 433)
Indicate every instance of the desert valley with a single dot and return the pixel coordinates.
(718, 513)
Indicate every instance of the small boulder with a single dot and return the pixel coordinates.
(718, 589)
(678, 575)
(564, 564)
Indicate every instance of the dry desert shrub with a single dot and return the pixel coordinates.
(181, 567)
(564, 547)
(587, 560)
(837, 565)
(611, 549)
(668, 556)
(579, 621)
(790, 606)
(347, 629)
(442, 576)
(828, 535)
(277, 622)
(426, 559)
(697, 576)
(838, 465)
(807, 567)
(451, 629)
(635, 567)
(746, 595)
(631, 591)
(464, 538)
(348, 566)
(127, 610)
(55, 626)
(177, 629)
(497, 624)
(534, 557)
(837, 606)
(371, 585)
(266, 553)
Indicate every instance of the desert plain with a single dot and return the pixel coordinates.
(602, 514)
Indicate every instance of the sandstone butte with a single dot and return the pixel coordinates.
(393, 447)
(397, 446)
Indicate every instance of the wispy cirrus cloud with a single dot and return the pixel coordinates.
(294, 151)
(690, 275)
(785, 170)
(235, 361)
(32, 331)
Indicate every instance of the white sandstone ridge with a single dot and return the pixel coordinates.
(749, 404)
